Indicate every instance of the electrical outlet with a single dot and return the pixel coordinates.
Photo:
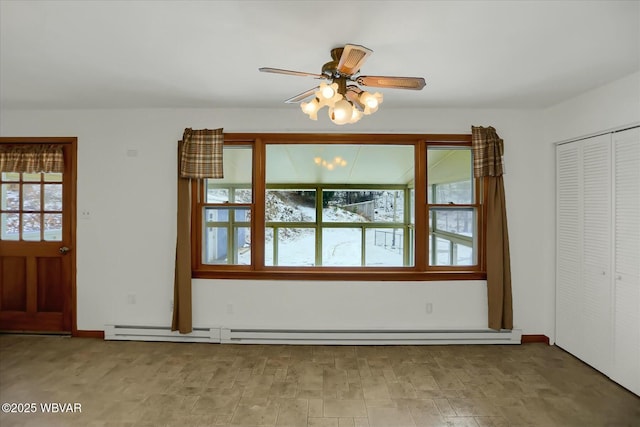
(428, 308)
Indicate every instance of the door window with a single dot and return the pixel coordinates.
(31, 207)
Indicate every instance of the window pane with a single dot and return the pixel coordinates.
(235, 187)
(10, 197)
(453, 233)
(359, 183)
(53, 177)
(342, 247)
(215, 245)
(463, 254)
(53, 227)
(53, 197)
(363, 206)
(242, 245)
(10, 223)
(31, 177)
(449, 176)
(412, 204)
(227, 236)
(242, 195)
(10, 176)
(227, 215)
(31, 226)
(290, 206)
(293, 247)
(31, 197)
(443, 252)
(216, 195)
(384, 247)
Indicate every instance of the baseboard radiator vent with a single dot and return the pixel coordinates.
(159, 333)
(313, 336)
(369, 337)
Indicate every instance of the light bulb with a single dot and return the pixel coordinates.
(311, 108)
(328, 92)
(317, 160)
(327, 95)
(371, 101)
(341, 112)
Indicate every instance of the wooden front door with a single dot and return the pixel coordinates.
(37, 245)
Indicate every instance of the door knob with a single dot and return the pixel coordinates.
(63, 250)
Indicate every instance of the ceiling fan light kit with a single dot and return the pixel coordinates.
(346, 103)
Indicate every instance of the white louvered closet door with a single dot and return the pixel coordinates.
(626, 154)
(569, 248)
(583, 273)
(596, 252)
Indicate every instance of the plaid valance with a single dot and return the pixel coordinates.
(31, 158)
(487, 149)
(201, 154)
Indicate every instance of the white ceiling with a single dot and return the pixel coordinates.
(139, 54)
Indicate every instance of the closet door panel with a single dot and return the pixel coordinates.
(626, 149)
(596, 262)
(569, 249)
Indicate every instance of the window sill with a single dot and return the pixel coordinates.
(345, 275)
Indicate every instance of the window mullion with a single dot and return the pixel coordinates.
(318, 224)
(258, 208)
(421, 235)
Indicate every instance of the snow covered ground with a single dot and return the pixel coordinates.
(341, 246)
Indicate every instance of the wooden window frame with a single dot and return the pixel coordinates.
(420, 271)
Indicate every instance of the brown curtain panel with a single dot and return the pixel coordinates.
(487, 150)
(31, 158)
(199, 157)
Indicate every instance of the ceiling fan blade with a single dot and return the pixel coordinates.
(290, 73)
(414, 83)
(352, 58)
(301, 96)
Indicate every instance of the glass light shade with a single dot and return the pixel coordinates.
(371, 101)
(328, 95)
(341, 113)
(311, 109)
(355, 115)
(327, 92)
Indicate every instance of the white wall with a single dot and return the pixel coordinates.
(127, 245)
(612, 106)
(608, 107)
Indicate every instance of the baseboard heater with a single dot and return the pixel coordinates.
(314, 336)
(159, 333)
(369, 337)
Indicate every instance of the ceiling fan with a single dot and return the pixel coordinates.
(347, 102)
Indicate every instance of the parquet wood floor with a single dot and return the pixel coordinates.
(145, 384)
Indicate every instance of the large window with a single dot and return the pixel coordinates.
(365, 207)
